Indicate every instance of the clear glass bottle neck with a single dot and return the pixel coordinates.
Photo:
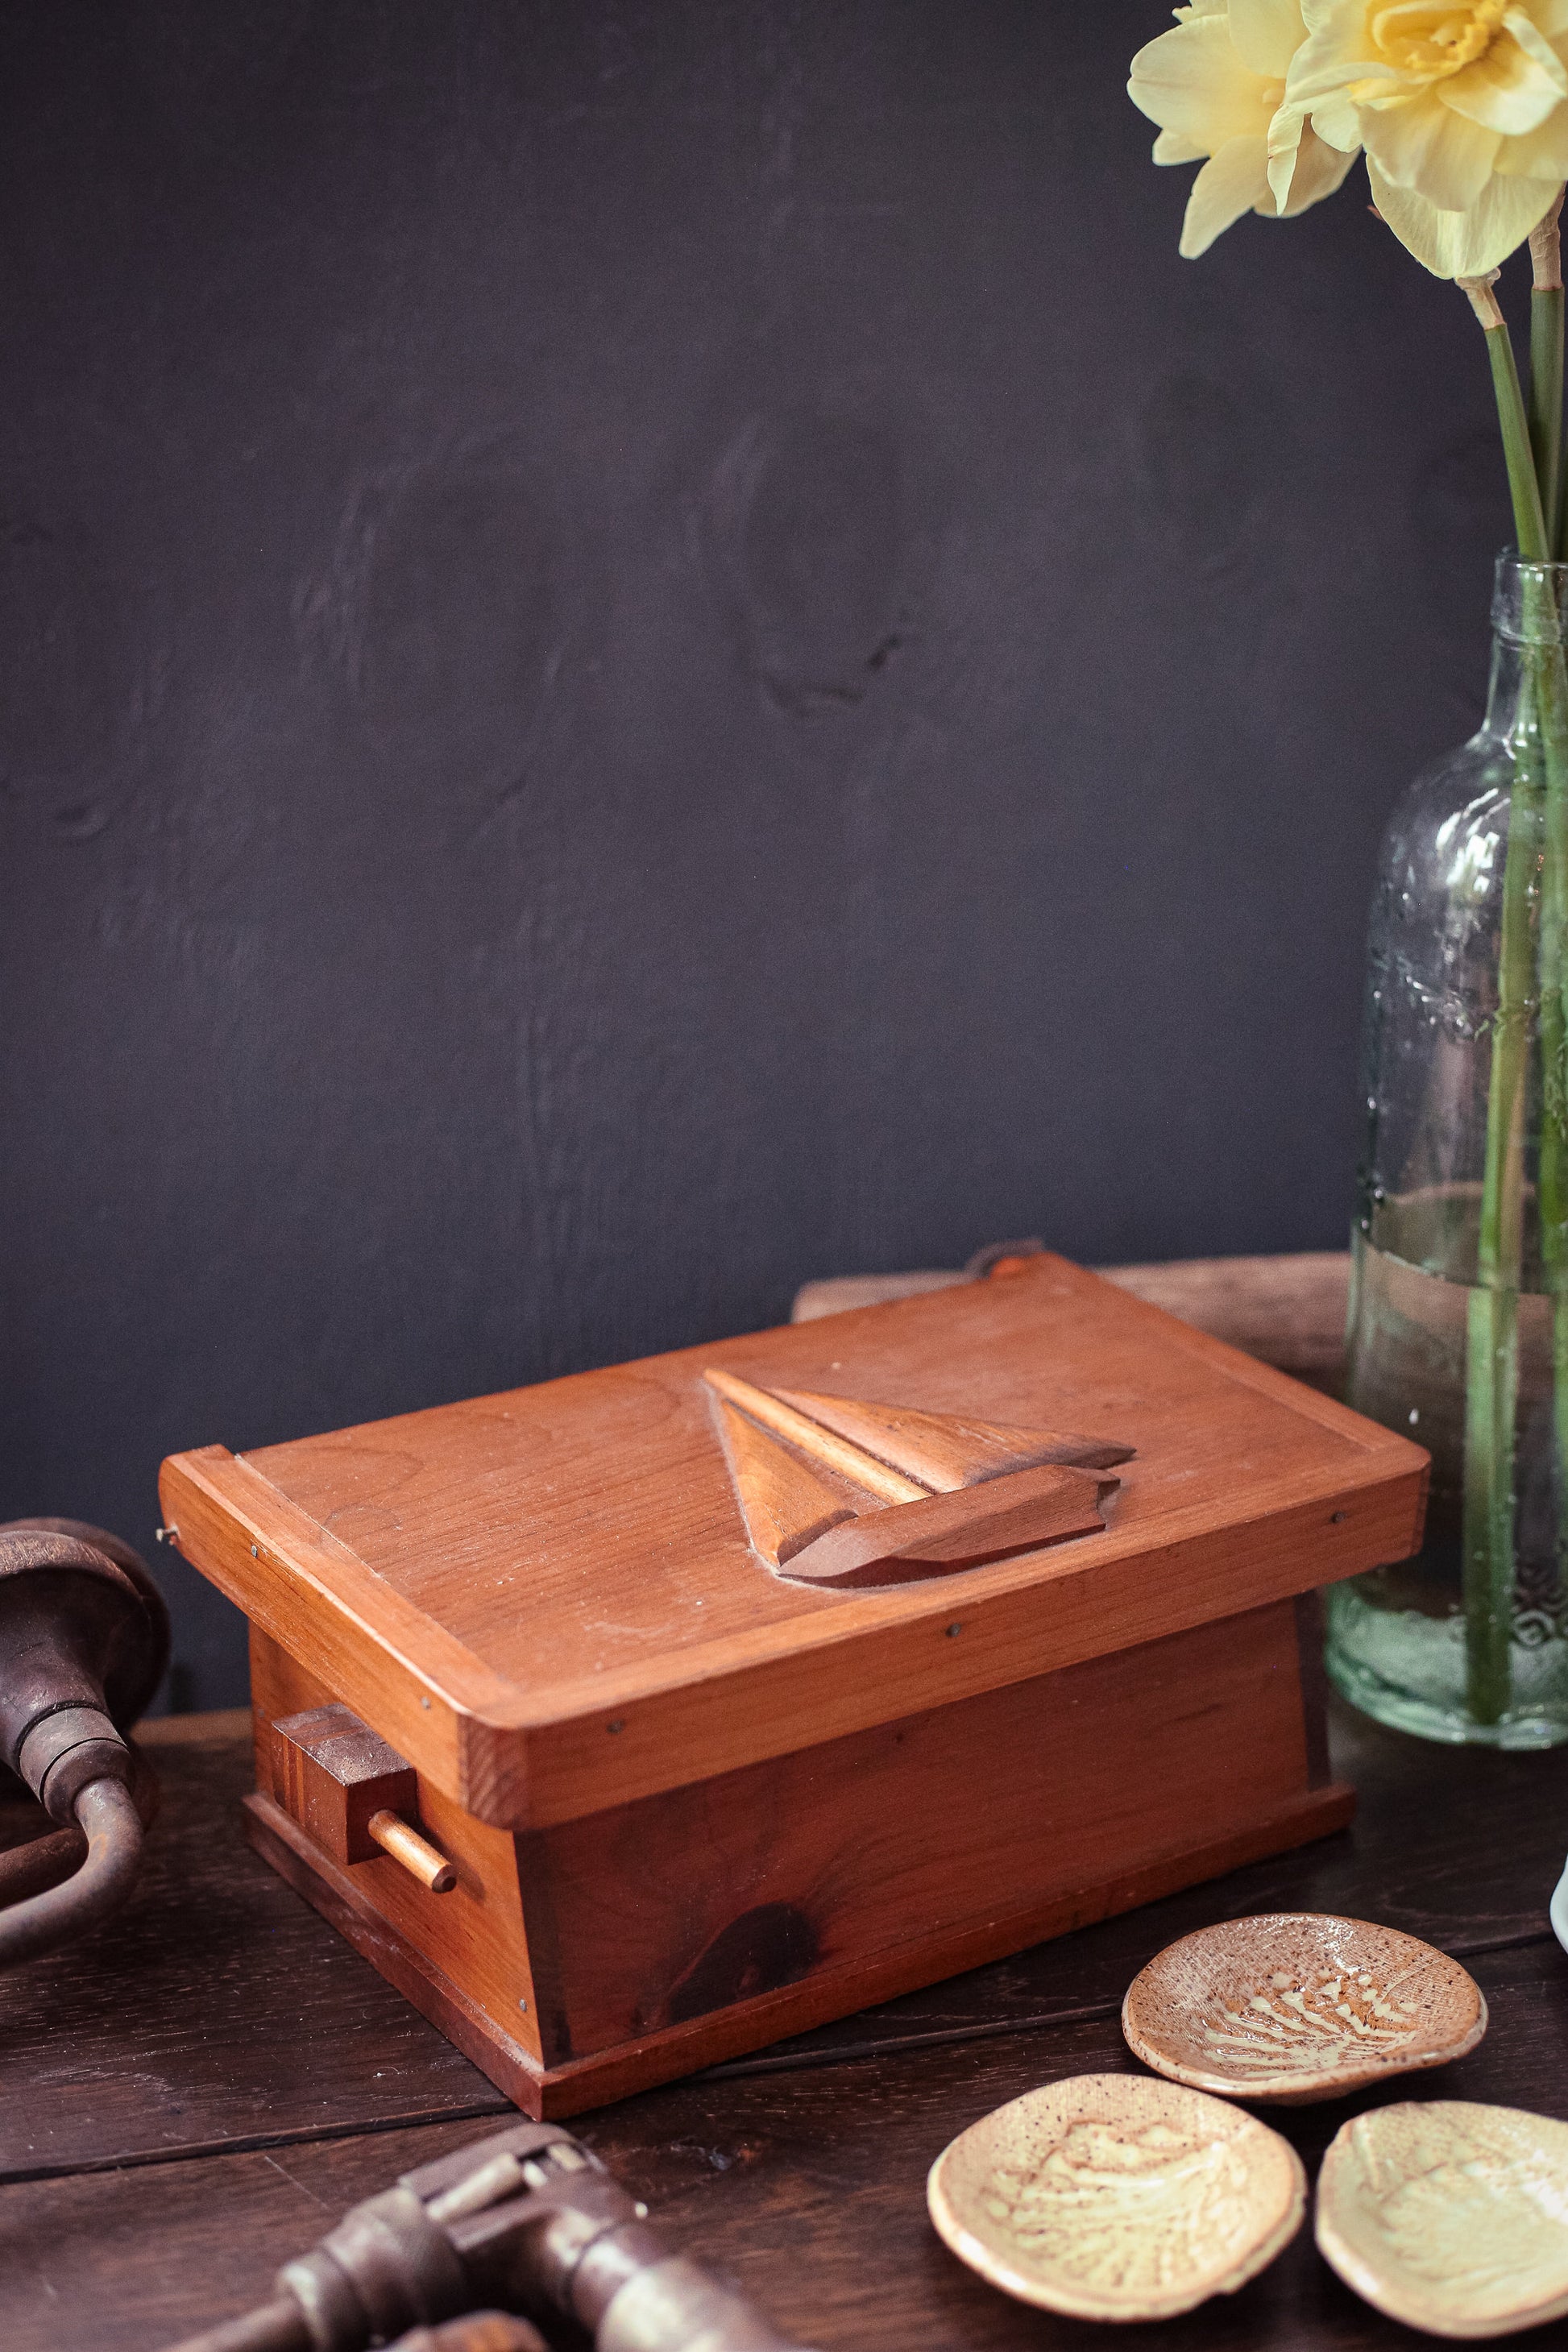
(1529, 611)
(1505, 689)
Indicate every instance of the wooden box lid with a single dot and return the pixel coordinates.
(548, 1602)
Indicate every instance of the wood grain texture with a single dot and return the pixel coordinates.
(188, 2031)
(691, 1926)
(1452, 1845)
(786, 1504)
(835, 2165)
(1000, 1806)
(834, 1453)
(432, 1870)
(943, 1535)
(857, 503)
(135, 2260)
(840, 1294)
(214, 2008)
(945, 1452)
(1288, 1311)
(455, 1539)
(246, 1536)
(486, 2035)
(799, 2169)
(572, 2085)
(479, 1923)
(923, 1845)
(195, 2008)
(808, 2191)
(194, 1731)
(332, 1773)
(186, 2027)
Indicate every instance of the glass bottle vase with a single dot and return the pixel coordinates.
(1458, 1309)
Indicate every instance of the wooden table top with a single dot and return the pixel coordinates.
(196, 2093)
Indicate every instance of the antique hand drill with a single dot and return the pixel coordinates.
(530, 2220)
(84, 1638)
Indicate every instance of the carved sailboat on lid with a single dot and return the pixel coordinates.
(837, 1491)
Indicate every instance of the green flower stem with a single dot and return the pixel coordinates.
(1546, 374)
(1491, 1374)
(1550, 685)
(1528, 516)
(1546, 337)
(1547, 305)
(1546, 404)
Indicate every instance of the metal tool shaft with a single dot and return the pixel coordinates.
(527, 2220)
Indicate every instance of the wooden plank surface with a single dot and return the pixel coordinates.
(220, 2007)
(195, 2093)
(1288, 1311)
(190, 2094)
(215, 2006)
(806, 2188)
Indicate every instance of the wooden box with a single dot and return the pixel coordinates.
(729, 1691)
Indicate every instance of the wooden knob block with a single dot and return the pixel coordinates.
(331, 1772)
(418, 1856)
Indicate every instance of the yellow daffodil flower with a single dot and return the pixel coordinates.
(1462, 108)
(1216, 87)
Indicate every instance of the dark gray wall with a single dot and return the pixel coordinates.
(650, 650)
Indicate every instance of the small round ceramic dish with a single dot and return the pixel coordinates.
(1450, 2216)
(1112, 2197)
(1297, 2006)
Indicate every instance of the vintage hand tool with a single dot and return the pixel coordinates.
(529, 2220)
(84, 1639)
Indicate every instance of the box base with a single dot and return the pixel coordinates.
(547, 2092)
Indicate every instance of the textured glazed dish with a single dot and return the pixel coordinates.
(1297, 2006)
(1112, 2197)
(1449, 2215)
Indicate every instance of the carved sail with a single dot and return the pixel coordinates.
(944, 1452)
(908, 1494)
(786, 1506)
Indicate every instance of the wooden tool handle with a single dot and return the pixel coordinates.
(417, 1855)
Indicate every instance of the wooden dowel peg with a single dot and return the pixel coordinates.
(417, 1855)
(850, 1462)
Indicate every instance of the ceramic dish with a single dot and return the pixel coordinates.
(1297, 2006)
(1112, 2197)
(1450, 2216)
